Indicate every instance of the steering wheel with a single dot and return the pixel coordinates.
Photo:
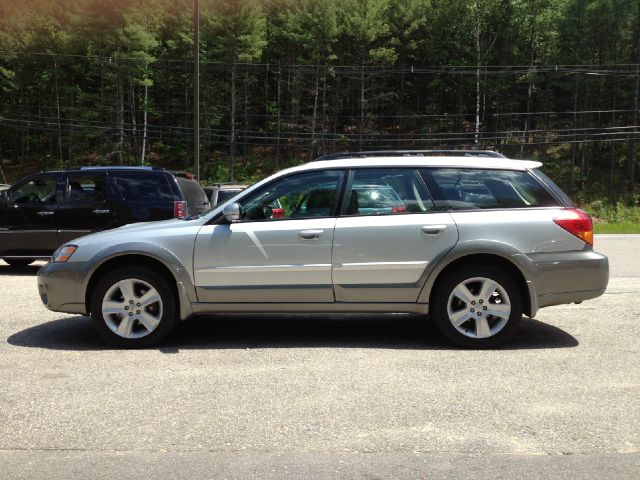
(32, 197)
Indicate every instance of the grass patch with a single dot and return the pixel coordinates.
(624, 227)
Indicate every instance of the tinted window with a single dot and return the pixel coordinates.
(85, 188)
(197, 200)
(224, 195)
(312, 194)
(464, 189)
(37, 190)
(386, 191)
(143, 188)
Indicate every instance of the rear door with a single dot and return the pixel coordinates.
(29, 220)
(387, 236)
(85, 207)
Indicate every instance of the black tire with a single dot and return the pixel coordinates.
(444, 290)
(19, 262)
(168, 317)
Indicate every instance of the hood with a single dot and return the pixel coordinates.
(137, 231)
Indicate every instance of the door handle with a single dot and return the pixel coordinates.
(433, 229)
(310, 234)
(44, 213)
(101, 212)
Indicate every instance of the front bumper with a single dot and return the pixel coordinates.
(61, 287)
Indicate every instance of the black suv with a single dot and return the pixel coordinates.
(45, 210)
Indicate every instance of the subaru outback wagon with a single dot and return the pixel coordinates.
(475, 242)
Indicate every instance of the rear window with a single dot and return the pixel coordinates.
(194, 194)
(464, 189)
(143, 188)
(224, 195)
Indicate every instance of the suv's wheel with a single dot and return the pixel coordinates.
(133, 307)
(477, 306)
(19, 262)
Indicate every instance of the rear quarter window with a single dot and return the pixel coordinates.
(467, 189)
(143, 188)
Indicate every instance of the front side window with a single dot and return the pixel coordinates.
(305, 195)
(386, 191)
(466, 189)
(37, 190)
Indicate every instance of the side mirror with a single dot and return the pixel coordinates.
(232, 213)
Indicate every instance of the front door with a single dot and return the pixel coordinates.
(29, 219)
(387, 236)
(280, 251)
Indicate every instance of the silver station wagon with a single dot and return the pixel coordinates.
(474, 240)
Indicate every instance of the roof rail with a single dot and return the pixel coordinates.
(411, 153)
(121, 167)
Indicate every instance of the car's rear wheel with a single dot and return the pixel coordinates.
(477, 306)
(19, 262)
(134, 307)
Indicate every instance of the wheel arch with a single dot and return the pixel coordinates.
(514, 265)
(174, 273)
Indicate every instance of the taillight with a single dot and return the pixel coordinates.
(401, 209)
(180, 209)
(577, 223)
(277, 213)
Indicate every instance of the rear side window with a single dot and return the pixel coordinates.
(85, 188)
(143, 188)
(465, 189)
(384, 191)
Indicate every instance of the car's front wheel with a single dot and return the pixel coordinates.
(477, 306)
(134, 307)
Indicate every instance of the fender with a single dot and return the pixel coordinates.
(487, 247)
(185, 287)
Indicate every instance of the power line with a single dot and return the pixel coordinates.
(357, 68)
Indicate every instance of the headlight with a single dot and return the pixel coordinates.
(63, 253)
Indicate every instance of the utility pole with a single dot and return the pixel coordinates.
(196, 87)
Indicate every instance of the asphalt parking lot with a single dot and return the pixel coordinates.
(324, 396)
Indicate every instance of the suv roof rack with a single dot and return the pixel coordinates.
(411, 153)
(121, 167)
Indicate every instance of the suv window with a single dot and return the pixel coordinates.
(224, 195)
(387, 191)
(464, 189)
(85, 188)
(37, 190)
(143, 188)
(197, 200)
(311, 194)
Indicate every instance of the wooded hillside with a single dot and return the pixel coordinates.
(111, 82)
